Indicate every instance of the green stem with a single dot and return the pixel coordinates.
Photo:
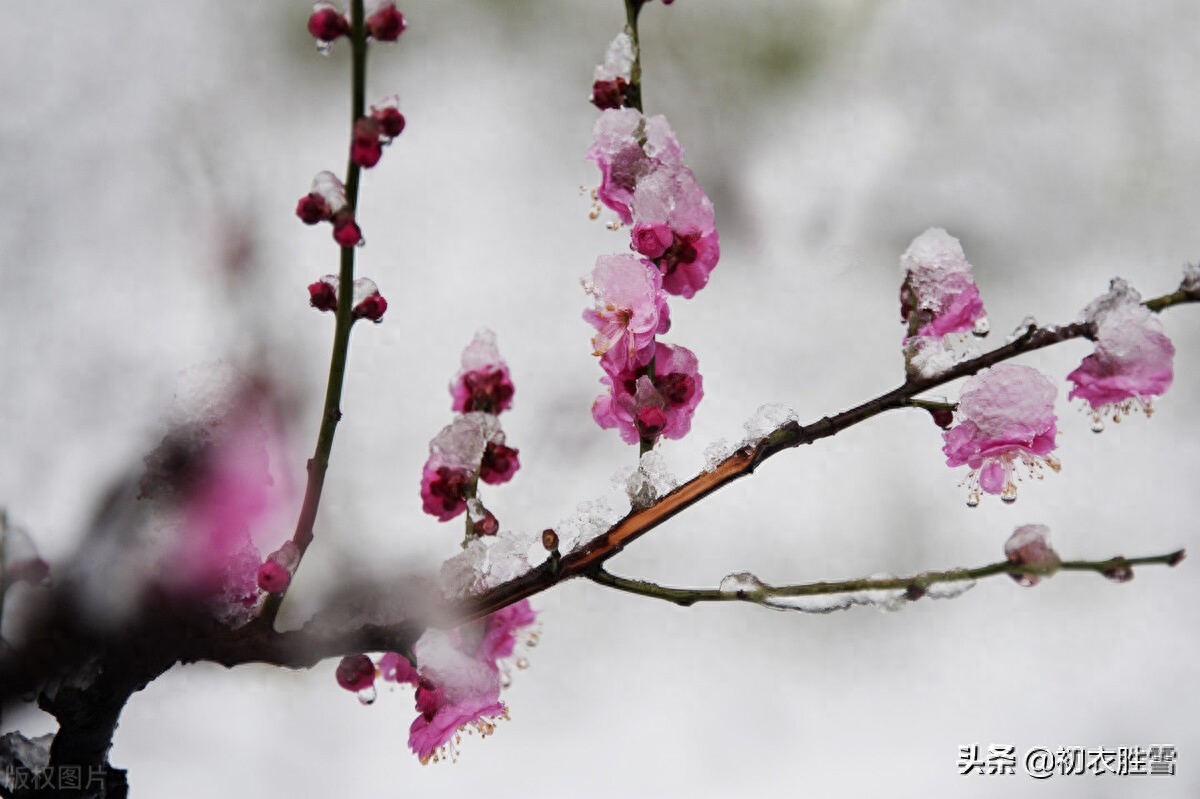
(915, 585)
(331, 414)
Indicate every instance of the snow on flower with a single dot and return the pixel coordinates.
(1133, 359)
(938, 298)
(483, 383)
(612, 78)
(628, 146)
(630, 309)
(674, 227)
(1029, 546)
(455, 455)
(642, 408)
(455, 692)
(1005, 417)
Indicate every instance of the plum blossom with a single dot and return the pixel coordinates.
(384, 23)
(612, 78)
(674, 227)
(455, 455)
(643, 408)
(326, 202)
(327, 24)
(630, 309)
(1005, 417)
(628, 146)
(483, 383)
(938, 298)
(1029, 546)
(1133, 359)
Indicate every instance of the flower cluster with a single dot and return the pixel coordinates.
(383, 23)
(375, 131)
(1133, 359)
(327, 200)
(938, 301)
(365, 302)
(1005, 418)
(652, 388)
(457, 677)
(472, 447)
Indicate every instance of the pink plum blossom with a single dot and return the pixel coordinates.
(627, 147)
(455, 455)
(675, 228)
(938, 297)
(384, 23)
(1133, 359)
(630, 309)
(502, 630)
(327, 23)
(611, 80)
(483, 383)
(499, 464)
(642, 408)
(455, 692)
(355, 673)
(1005, 417)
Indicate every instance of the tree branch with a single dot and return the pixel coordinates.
(746, 588)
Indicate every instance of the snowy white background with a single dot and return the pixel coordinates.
(1060, 142)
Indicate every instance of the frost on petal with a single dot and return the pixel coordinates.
(630, 309)
(461, 443)
(938, 295)
(1005, 417)
(1120, 294)
(331, 190)
(455, 691)
(1029, 546)
(1133, 360)
(627, 147)
(483, 383)
(674, 226)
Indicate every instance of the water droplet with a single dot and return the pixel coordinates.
(324, 47)
(1009, 493)
(533, 639)
(367, 695)
(613, 224)
(522, 663)
(973, 499)
(362, 242)
(1097, 424)
(505, 679)
(982, 327)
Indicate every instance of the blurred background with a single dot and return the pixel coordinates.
(152, 156)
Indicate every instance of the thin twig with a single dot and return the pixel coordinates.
(914, 587)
